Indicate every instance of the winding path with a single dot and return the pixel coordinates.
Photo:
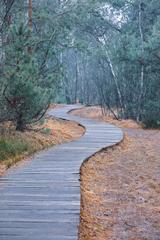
(41, 200)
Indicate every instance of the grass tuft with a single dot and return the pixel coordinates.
(46, 131)
(12, 148)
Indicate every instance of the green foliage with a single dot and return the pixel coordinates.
(12, 148)
(25, 97)
(46, 131)
(30, 69)
(151, 117)
(134, 55)
(100, 52)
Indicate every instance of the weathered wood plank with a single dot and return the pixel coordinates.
(41, 200)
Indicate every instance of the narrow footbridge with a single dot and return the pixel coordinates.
(41, 199)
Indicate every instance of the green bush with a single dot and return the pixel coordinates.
(11, 148)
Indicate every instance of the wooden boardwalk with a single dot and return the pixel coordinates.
(41, 200)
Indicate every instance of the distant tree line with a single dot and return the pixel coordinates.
(93, 52)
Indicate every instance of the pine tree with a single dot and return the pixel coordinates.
(25, 98)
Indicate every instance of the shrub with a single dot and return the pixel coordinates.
(12, 148)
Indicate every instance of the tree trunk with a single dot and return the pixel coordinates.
(142, 62)
(30, 14)
(76, 83)
(20, 126)
(115, 80)
(114, 76)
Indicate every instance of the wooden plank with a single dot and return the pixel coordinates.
(41, 200)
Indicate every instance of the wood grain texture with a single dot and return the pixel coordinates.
(41, 200)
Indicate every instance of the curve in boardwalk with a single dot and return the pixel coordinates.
(41, 200)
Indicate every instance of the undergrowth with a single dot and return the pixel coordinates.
(12, 147)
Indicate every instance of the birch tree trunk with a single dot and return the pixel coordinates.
(115, 80)
(76, 80)
(140, 22)
(113, 74)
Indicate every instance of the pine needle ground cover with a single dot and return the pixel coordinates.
(120, 187)
(95, 112)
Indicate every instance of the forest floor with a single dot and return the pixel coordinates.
(16, 146)
(120, 186)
